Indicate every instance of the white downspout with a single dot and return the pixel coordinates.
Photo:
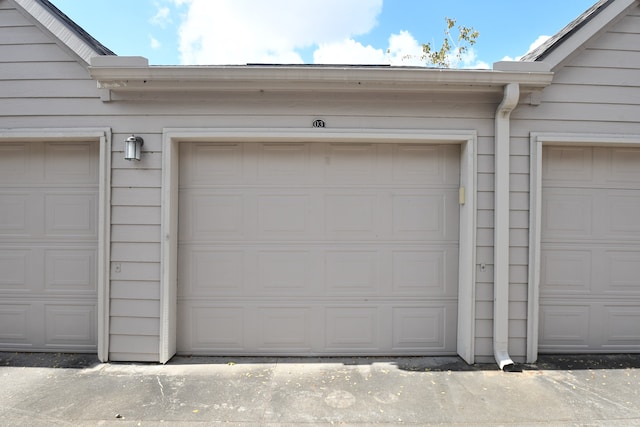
(501, 226)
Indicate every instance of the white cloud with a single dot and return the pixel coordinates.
(469, 60)
(162, 18)
(537, 42)
(155, 43)
(242, 31)
(277, 31)
(348, 51)
(404, 50)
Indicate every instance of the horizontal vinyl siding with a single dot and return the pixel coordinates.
(519, 247)
(484, 248)
(135, 234)
(597, 91)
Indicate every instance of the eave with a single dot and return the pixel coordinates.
(569, 41)
(122, 74)
(69, 34)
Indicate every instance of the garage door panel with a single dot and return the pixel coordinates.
(317, 270)
(351, 215)
(292, 328)
(351, 328)
(590, 214)
(343, 215)
(567, 166)
(621, 326)
(352, 164)
(567, 324)
(429, 215)
(311, 249)
(622, 167)
(283, 214)
(352, 272)
(211, 216)
(71, 270)
(71, 214)
(69, 326)
(211, 327)
(209, 272)
(280, 163)
(600, 270)
(14, 324)
(48, 252)
(568, 214)
(427, 272)
(70, 163)
(622, 209)
(14, 217)
(566, 269)
(622, 270)
(285, 328)
(219, 163)
(590, 250)
(419, 328)
(14, 163)
(284, 271)
(430, 165)
(15, 265)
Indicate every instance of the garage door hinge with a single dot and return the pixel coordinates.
(461, 196)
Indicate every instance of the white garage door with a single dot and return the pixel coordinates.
(48, 245)
(590, 253)
(317, 248)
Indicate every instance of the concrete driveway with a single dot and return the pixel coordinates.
(72, 390)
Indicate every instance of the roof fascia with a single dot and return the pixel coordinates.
(133, 74)
(49, 21)
(568, 47)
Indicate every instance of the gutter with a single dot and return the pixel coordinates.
(134, 74)
(501, 226)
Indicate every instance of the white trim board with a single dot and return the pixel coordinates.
(169, 228)
(103, 137)
(537, 141)
(52, 23)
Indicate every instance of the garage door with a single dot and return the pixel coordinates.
(590, 250)
(48, 245)
(317, 248)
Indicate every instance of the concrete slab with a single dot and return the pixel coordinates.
(63, 390)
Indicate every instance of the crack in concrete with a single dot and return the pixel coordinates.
(161, 387)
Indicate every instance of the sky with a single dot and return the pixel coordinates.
(226, 32)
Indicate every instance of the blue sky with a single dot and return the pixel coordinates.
(172, 32)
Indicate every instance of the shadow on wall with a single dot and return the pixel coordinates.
(413, 364)
(49, 360)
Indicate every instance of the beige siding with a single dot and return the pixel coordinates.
(45, 87)
(137, 210)
(484, 255)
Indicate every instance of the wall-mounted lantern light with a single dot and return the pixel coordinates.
(133, 147)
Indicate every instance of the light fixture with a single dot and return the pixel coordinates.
(132, 147)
